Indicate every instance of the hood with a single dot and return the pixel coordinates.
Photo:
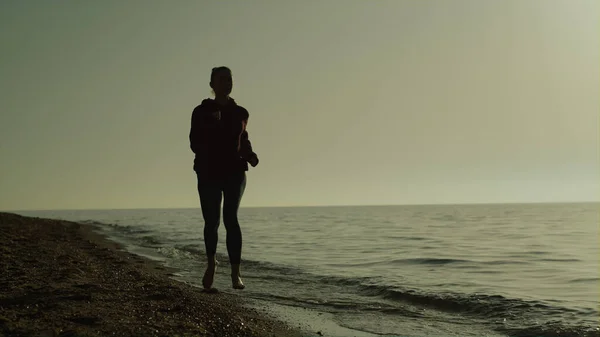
(210, 102)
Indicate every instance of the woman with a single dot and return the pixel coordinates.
(219, 139)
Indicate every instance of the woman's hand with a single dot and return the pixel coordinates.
(253, 160)
(245, 147)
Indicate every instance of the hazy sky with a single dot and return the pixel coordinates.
(350, 101)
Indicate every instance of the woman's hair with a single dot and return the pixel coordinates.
(216, 70)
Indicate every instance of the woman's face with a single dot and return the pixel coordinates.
(222, 83)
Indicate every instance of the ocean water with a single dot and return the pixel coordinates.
(446, 270)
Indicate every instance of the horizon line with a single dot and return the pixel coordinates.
(311, 206)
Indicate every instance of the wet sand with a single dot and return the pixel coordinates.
(60, 278)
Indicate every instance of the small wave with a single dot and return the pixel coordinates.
(559, 260)
(192, 249)
(487, 272)
(410, 238)
(266, 268)
(341, 305)
(552, 330)
(131, 230)
(489, 306)
(588, 279)
(505, 262)
(414, 261)
(536, 252)
(341, 281)
(92, 223)
(116, 227)
(429, 261)
(449, 303)
(272, 267)
(173, 252)
(354, 265)
(150, 240)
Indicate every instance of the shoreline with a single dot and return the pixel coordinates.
(272, 292)
(62, 278)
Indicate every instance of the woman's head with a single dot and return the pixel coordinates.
(221, 81)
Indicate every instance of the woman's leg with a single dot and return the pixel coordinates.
(232, 193)
(210, 201)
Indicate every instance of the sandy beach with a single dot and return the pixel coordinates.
(61, 278)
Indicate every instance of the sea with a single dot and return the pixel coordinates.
(424, 270)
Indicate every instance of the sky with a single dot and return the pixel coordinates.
(351, 102)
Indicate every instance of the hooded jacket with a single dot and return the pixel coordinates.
(219, 139)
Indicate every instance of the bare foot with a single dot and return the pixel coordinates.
(236, 280)
(209, 275)
(236, 283)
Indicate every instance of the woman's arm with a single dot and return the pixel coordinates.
(245, 146)
(198, 131)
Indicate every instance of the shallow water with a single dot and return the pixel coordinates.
(464, 270)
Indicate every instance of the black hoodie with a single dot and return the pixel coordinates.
(219, 139)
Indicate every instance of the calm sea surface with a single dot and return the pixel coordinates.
(461, 270)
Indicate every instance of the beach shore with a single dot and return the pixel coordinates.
(60, 278)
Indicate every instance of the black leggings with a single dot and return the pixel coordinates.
(211, 193)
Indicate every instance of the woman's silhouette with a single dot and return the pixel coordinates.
(219, 139)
